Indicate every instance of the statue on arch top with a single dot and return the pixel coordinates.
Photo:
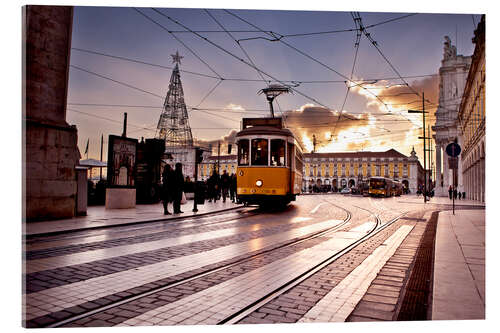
(450, 51)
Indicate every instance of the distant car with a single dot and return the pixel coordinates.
(346, 190)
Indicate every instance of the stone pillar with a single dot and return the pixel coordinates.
(476, 180)
(483, 180)
(438, 165)
(50, 151)
(446, 175)
(440, 190)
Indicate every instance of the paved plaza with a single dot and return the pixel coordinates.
(79, 265)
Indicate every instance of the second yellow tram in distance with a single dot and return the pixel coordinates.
(269, 162)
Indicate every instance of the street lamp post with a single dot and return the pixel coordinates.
(423, 112)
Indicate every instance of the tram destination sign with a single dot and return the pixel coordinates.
(453, 149)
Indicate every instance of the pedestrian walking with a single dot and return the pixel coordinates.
(232, 188)
(177, 187)
(217, 186)
(459, 195)
(166, 189)
(455, 193)
(463, 195)
(225, 184)
(450, 192)
(211, 184)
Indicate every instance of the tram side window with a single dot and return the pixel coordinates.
(277, 152)
(298, 161)
(290, 155)
(259, 152)
(243, 151)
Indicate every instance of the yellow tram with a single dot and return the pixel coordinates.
(269, 162)
(380, 186)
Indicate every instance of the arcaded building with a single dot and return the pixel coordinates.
(347, 169)
(472, 121)
(452, 82)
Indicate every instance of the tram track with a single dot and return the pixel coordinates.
(125, 227)
(378, 227)
(54, 247)
(196, 276)
(237, 316)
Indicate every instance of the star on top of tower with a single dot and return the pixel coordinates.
(176, 57)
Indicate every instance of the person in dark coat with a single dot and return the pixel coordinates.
(225, 184)
(177, 187)
(450, 192)
(211, 187)
(232, 188)
(166, 191)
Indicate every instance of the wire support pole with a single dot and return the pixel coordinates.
(425, 159)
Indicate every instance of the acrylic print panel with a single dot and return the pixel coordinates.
(359, 95)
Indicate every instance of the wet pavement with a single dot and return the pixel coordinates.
(215, 265)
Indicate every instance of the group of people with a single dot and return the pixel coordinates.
(454, 193)
(420, 190)
(172, 188)
(221, 186)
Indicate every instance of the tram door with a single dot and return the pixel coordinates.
(289, 163)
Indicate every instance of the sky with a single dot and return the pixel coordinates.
(121, 62)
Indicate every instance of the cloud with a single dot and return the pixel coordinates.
(224, 142)
(371, 129)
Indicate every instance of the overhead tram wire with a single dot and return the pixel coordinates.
(236, 41)
(140, 62)
(190, 108)
(209, 93)
(254, 80)
(180, 41)
(356, 45)
(281, 36)
(139, 89)
(151, 128)
(346, 30)
(310, 57)
(115, 81)
(247, 55)
(375, 44)
(108, 119)
(233, 55)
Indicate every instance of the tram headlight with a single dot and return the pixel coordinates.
(259, 183)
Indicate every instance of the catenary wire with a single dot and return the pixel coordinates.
(181, 42)
(233, 55)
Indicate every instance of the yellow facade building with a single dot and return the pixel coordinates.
(339, 170)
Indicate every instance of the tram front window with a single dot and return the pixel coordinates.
(277, 152)
(243, 150)
(259, 152)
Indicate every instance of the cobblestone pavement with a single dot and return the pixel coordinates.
(204, 270)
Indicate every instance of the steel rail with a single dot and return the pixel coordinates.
(236, 317)
(127, 231)
(205, 273)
